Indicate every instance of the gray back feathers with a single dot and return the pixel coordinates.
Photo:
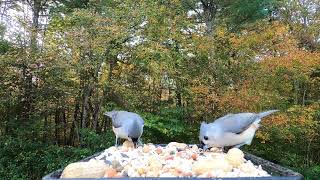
(130, 121)
(237, 123)
(136, 130)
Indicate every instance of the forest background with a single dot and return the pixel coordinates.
(176, 63)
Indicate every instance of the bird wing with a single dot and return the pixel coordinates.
(140, 120)
(123, 118)
(117, 120)
(236, 123)
(116, 123)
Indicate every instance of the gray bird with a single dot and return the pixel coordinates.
(231, 130)
(126, 125)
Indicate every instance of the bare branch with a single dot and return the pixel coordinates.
(194, 9)
(204, 3)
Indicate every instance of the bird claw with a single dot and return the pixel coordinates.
(138, 143)
(117, 142)
(205, 147)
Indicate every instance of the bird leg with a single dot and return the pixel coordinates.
(205, 147)
(140, 143)
(116, 141)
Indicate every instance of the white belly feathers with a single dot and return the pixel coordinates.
(120, 132)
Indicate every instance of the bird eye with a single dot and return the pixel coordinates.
(205, 138)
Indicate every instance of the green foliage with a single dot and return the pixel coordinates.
(311, 173)
(96, 142)
(168, 125)
(242, 12)
(21, 158)
(24, 157)
(296, 134)
(4, 46)
(251, 56)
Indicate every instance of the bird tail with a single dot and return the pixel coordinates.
(109, 113)
(266, 113)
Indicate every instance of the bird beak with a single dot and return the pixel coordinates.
(135, 142)
(205, 147)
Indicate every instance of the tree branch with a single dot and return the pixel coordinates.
(194, 9)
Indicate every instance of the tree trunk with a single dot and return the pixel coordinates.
(35, 24)
(178, 95)
(86, 94)
(64, 120)
(56, 121)
(27, 75)
(45, 128)
(27, 95)
(75, 126)
(209, 14)
(304, 97)
(104, 126)
(97, 108)
(296, 92)
(70, 140)
(111, 67)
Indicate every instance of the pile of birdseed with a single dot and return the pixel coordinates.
(173, 160)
